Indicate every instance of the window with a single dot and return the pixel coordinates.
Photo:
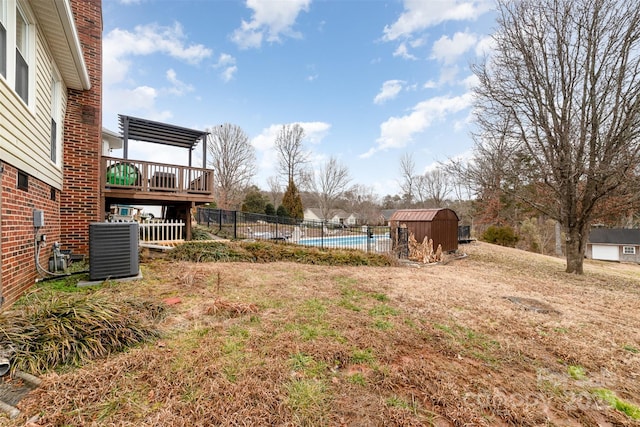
(629, 250)
(56, 116)
(17, 34)
(22, 56)
(23, 181)
(3, 38)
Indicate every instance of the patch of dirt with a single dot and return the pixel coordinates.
(13, 390)
(533, 305)
(368, 346)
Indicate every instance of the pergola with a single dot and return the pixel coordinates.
(161, 133)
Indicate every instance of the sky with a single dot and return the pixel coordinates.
(368, 80)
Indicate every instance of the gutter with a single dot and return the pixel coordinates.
(71, 33)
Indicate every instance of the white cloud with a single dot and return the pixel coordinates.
(228, 65)
(397, 132)
(420, 14)
(147, 40)
(313, 73)
(269, 21)
(430, 84)
(315, 132)
(448, 50)
(225, 59)
(140, 101)
(178, 87)
(403, 52)
(390, 89)
(141, 97)
(228, 73)
(470, 82)
(120, 49)
(119, 45)
(485, 46)
(448, 75)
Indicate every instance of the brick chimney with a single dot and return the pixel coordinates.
(80, 201)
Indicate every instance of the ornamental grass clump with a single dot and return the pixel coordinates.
(51, 330)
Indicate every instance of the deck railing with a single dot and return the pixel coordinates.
(165, 231)
(147, 176)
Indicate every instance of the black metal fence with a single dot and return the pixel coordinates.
(244, 225)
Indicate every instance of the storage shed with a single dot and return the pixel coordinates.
(441, 225)
(614, 244)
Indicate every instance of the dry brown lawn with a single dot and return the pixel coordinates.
(501, 337)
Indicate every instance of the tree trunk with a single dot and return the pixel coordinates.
(558, 229)
(576, 245)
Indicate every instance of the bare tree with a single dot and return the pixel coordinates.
(329, 183)
(407, 176)
(419, 190)
(291, 154)
(562, 90)
(363, 201)
(437, 185)
(233, 160)
(432, 186)
(275, 190)
(492, 177)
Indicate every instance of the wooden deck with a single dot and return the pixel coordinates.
(142, 182)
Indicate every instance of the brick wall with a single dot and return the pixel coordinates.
(80, 202)
(18, 232)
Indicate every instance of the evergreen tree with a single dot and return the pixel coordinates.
(282, 212)
(254, 201)
(269, 209)
(292, 201)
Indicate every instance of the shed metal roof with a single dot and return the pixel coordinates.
(418, 214)
(615, 236)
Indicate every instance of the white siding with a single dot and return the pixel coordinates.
(25, 133)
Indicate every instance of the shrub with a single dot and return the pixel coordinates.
(269, 209)
(199, 233)
(282, 211)
(503, 236)
(209, 251)
(53, 329)
(266, 251)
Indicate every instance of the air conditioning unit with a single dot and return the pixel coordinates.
(113, 250)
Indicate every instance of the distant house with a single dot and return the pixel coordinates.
(337, 217)
(614, 244)
(351, 219)
(110, 141)
(386, 215)
(313, 214)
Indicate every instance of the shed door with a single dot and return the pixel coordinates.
(606, 252)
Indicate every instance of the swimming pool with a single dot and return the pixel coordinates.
(354, 242)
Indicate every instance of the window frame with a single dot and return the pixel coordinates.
(22, 84)
(632, 250)
(3, 38)
(22, 181)
(56, 117)
(20, 62)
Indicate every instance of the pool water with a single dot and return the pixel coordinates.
(342, 241)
